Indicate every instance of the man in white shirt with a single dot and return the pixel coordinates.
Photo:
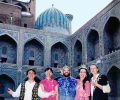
(29, 90)
(99, 84)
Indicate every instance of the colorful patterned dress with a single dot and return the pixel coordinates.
(80, 92)
(49, 85)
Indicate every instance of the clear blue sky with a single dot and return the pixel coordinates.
(82, 10)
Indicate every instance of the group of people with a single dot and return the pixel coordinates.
(65, 87)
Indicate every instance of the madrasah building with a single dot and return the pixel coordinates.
(48, 41)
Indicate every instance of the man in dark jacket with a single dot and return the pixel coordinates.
(99, 84)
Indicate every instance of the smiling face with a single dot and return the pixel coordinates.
(66, 72)
(93, 69)
(31, 75)
(48, 73)
(82, 74)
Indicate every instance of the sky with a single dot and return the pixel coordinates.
(82, 10)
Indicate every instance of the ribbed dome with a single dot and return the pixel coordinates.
(53, 20)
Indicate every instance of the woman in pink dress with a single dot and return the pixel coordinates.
(83, 85)
(49, 84)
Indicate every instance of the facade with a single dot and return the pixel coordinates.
(26, 44)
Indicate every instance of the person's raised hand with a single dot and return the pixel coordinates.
(9, 91)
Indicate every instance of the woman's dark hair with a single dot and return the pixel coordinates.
(87, 78)
(48, 68)
(37, 80)
(30, 70)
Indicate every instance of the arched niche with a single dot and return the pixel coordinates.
(77, 53)
(93, 45)
(8, 49)
(33, 53)
(112, 35)
(114, 80)
(59, 55)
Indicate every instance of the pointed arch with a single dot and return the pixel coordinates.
(1, 21)
(33, 53)
(92, 45)
(111, 35)
(34, 38)
(23, 8)
(8, 35)
(59, 55)
(5, 1)
(61, 43)
(77, 53)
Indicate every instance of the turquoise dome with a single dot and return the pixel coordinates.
(53, 19)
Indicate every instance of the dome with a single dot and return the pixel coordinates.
(53, 20)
